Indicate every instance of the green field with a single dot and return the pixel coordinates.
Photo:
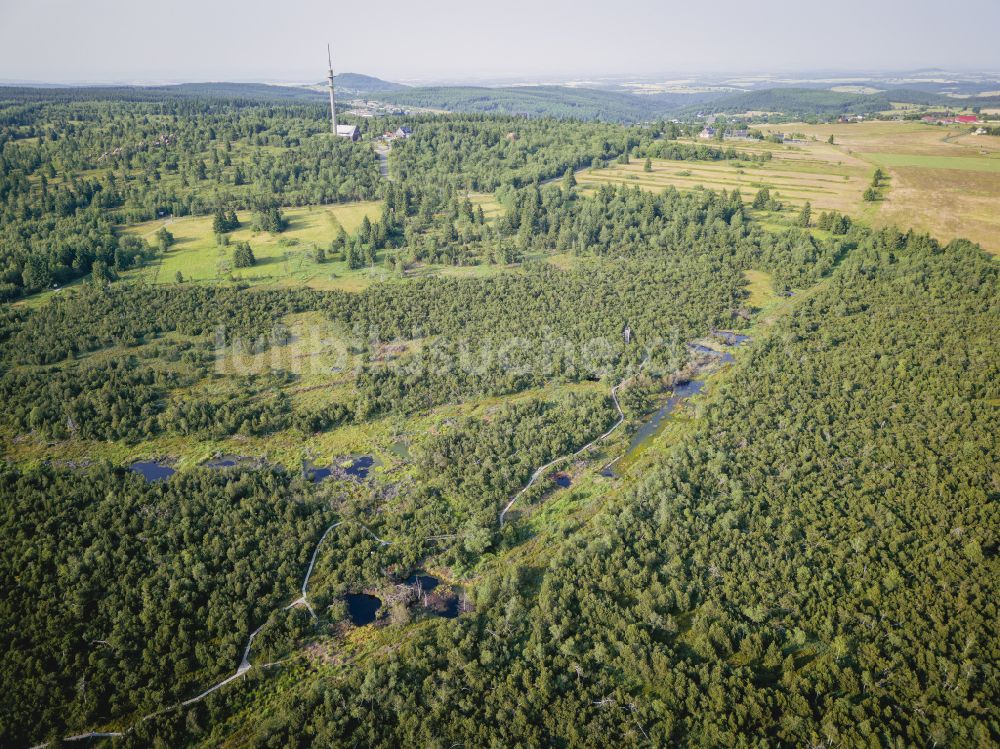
(281, 258)
(759, 284)
(964, 163)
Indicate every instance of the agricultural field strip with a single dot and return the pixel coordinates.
(746, 188)
(737, 180)
(807, 177)
(660, 175)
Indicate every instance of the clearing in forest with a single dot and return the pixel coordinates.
(289, 256)
(812, 171)
(942, 179)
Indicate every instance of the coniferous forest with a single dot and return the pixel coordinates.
(802, 553)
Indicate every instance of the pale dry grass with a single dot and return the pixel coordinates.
(794, 177)
(949, 187)
(947, 203)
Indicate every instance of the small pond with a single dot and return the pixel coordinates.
(316, 473)
(153, 470)
(451, 608)
(362, 608)
(723, 356)
(401, 449)
(730, 338)
(426, 582)
(562, 480)
(360, 466)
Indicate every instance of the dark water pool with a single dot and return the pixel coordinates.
(360, 467)
(224, 461)
(316, 473)
(562, 480)
(362, 608)
(450, 609)
(426, 582)
(152, 470)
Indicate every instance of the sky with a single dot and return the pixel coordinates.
(138, 41)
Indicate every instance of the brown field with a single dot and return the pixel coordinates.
(817, 172)
(943, 180)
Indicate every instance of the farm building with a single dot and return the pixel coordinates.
(964, 119)
(732, 134)
(349, 131)
(403, 132)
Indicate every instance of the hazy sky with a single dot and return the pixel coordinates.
(168, 40)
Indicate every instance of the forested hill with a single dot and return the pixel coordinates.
(358, 82)
(814, 101)
(249, 91)
(563, 102)
(536, 101)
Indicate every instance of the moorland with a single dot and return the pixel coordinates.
(554, 432)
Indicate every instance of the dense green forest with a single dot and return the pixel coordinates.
(846, 594)
(70, 170)
(805, 555)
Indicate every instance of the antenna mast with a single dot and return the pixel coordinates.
(329, 81)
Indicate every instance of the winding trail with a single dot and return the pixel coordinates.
(538, 473)
(245, 664)
(303, 599)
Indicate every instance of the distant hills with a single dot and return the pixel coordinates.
(612, 104)
(536, 101)
(359, 83)
(813, 101)
(222, 90)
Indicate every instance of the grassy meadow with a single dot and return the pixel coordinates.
(281, 258)
(814, 172)
(942, 179)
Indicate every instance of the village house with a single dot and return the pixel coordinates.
(349, 131)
